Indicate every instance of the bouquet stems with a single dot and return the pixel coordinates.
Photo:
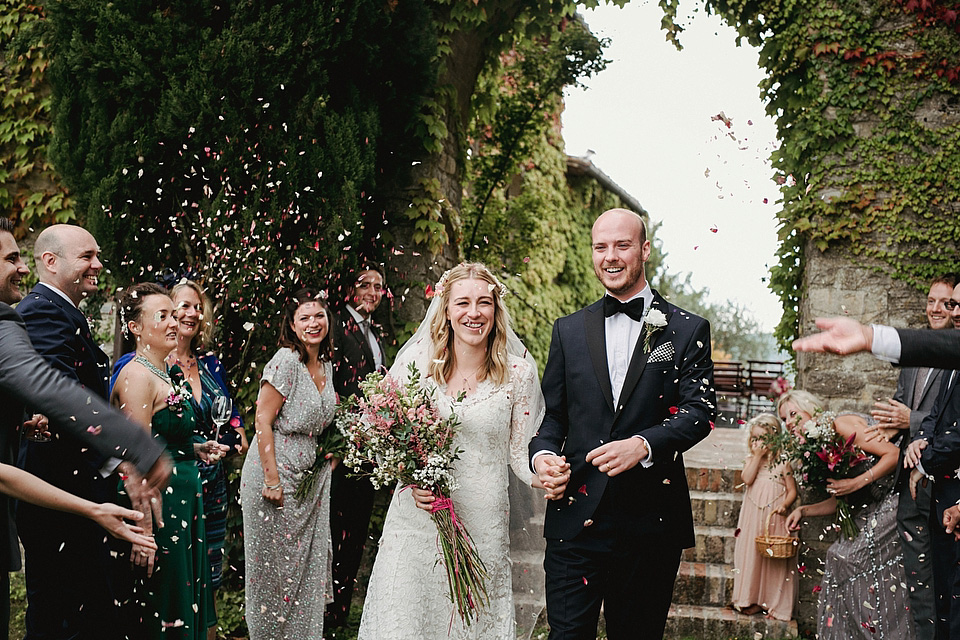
(848, 526)
(466, 573)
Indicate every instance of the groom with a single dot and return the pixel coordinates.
(626, 393)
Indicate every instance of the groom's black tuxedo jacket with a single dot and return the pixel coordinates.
(667, 397)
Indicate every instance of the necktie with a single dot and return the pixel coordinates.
(633, 308)
(922, 374)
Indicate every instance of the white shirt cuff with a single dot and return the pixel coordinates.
(108, 467)
(886, 343)
(647, 462)
(533, 460)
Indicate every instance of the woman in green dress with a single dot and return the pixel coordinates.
(175, 598)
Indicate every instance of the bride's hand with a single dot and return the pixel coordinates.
(424, 498)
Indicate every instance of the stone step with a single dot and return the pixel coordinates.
(717, 509)
(711, 479)
(703, 584)
(691, 621)
(713, 544)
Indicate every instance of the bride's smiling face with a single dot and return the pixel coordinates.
(470, 310)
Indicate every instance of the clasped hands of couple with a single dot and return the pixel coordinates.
(553, 472)
(612, 458)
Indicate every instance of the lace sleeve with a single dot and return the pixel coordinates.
(528, 410)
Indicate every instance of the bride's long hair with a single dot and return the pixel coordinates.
(442, 365)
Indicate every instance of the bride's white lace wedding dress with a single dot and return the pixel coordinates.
(407, 597)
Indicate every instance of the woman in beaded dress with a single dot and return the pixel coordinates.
(286, 541)
(175, 599)
(864, 587)
(464, 346)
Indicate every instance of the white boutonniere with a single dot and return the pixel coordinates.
(653, 320)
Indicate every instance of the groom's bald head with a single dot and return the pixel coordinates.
(624, 216)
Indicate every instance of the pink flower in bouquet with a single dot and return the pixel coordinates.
(778, 387)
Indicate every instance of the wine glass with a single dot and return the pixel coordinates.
(221, 411)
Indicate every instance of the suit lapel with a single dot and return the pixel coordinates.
(353, 328)
(597, 345)
(639, 360)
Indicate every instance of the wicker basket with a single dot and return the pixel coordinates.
(769, 546)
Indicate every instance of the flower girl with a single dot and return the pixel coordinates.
(764, 583)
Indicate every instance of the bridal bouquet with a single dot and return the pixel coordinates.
(395, 433)
(818, 452)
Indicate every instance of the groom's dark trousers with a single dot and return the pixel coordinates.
(616, 541)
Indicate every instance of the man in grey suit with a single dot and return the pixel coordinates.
(76, 413)
(915, 396)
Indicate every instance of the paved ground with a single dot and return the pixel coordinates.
(724, 448)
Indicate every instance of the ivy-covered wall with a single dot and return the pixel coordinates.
(30, 189)
(865, 95)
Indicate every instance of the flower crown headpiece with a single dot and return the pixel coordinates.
(499, 286)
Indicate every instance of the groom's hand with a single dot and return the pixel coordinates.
(618, 456)
(553, 472)
(951, 517)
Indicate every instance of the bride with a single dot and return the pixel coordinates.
(465, 346)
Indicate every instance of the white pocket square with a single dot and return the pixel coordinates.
(663, 353)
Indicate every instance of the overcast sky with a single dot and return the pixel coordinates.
(648, 120)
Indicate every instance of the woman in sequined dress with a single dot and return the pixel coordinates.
(864, 588)
(286, 541)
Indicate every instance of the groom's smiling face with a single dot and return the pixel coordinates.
(619, 252)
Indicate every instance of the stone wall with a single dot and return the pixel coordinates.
(836, 284)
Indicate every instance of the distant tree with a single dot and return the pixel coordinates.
(734, 330)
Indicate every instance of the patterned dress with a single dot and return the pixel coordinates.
(864, 587)
(288, 550)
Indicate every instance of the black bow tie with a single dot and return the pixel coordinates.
(612, 306)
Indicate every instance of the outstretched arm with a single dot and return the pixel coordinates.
(842, 336)
(29, 488)
(78, 412)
